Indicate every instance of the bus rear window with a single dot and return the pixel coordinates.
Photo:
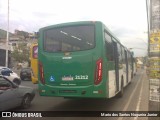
(35, 52)
(68, 39)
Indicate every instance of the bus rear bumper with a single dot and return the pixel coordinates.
(73, 92)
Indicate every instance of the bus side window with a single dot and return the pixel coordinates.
(120, 53)
(123, 55)
(109, 47)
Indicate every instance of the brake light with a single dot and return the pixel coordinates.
(41, 71)
(98, 72)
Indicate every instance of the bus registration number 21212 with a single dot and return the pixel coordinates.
(80, 77)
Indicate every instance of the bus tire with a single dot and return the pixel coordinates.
(120, 94)
(131, 78)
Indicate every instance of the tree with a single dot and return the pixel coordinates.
(21, 53)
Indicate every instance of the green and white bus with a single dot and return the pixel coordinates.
(82, 60)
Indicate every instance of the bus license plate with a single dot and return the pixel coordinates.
(67, 78)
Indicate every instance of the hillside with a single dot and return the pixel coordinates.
(3, 33)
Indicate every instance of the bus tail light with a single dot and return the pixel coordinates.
(98, 72)
(41, 71)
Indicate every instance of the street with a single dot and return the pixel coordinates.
(135, 98)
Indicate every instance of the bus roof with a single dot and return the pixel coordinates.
(70, 24)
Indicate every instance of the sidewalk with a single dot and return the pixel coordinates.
(146, 104)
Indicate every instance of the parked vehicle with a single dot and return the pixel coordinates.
(25, 73)
(9, 74)
(12, 95)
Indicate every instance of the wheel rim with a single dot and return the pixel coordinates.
(26, 101)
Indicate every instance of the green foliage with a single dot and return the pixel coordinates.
(21, 53)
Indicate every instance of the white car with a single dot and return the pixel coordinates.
(10, 75)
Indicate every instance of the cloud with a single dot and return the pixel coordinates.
(125, 18)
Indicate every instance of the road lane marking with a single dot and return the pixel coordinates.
(130, 98)
(139, 101)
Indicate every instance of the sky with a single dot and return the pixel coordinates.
(127, 19)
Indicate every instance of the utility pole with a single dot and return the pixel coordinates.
(154, 57)
(7, 36)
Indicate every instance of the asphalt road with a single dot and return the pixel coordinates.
(135, 98)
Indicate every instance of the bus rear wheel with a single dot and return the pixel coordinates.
(120, 94)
